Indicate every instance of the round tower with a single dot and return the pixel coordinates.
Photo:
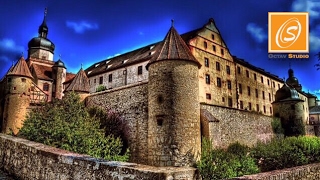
(174, 137)
(290, 109)
(17, 98)
(59, 76)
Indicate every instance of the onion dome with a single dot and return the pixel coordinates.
(287, 93)
(59, 63)
(41, 42)
(291, 79)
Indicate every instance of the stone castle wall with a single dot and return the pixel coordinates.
(28, 160)
(132, 102)
(227, 125)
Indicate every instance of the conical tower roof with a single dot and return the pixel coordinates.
(173, 47)
(20, 69)
(80, 82)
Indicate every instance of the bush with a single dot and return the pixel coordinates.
(220, 164)
(239, 149)
(100, 88)
(277, 127)
(66, 124)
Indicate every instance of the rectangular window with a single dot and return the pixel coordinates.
(250, 106)
(218, 66)
(205, 45)
(268, 82)
(238, 70)
(208, 96)
(214, 48)
(110, 77)
(263, 97)
(240, 88)
(206, 62)
(230, 102)
(139, 70)
(278, 86)
(222, 52)
(247, 73)
(207, 78)
(264, 109)
(218, 82)
(95, 81)
(101, 80)
(269, 97)
(274, 85)
(249, 93)
(261, 79)
(228, 69)
(46, 87)
(241, 104)
(9, 80)
(23, 79)
(229, 84)
(257, 94)
(222, 99)
(212, 36)
(255, 76)
(270, 110)
(257, 107)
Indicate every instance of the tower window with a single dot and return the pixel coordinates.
(228, 69)
(159, 121)
(230, 102)
(222, 52)
(214, 48)
(101, 80)
(95, 81)
(139, 70)
(23, 79)
(14, 88)
(293, 107)
(212, 36)
(207, 78)
(46, 87)
(208, 96)
(218, 82)
(110, 77)
(218, 66)
(9, 80)
(222, 99)
(205, 45)
(206, 62)
(229, 84)
(240, 88)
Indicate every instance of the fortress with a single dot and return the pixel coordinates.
(171, 93)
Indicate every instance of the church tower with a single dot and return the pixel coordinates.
(41, 47)
(59, 77)
(174, 137)
(293, 81)
(18, 83)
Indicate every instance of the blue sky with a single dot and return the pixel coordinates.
(85, 32)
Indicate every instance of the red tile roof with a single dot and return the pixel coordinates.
(69, 77)
(20, 69)
(42, 72)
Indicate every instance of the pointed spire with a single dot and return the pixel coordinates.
(43, 28)
(80, 82)
(172, 22)
(173, 47)
(20, 69)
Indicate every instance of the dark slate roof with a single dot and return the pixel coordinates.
(80, 83)
(257, 69)
(20, 69)
(173, 47)
(287, 93)
(314, 110)
(42, 72)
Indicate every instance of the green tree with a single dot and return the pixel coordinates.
(66, 124)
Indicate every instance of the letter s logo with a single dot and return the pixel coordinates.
(292, 29)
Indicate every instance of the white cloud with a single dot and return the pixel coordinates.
(81, 27)
(8, 45)
(311, 6)
(257, 32)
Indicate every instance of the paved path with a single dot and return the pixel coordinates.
(4, 177)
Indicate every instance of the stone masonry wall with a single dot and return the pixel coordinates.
(132, 102)
(28, 160)
(230, 125)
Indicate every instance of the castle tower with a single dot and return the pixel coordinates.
(79, 84)
(289, 108)
(59, 76)
(293, 81)
(41, 47)
(17, 96)
(174, 137)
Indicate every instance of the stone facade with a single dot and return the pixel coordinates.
(229, 125)
(173, 126)
(132, 102)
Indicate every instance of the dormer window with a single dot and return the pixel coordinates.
(96, 65)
